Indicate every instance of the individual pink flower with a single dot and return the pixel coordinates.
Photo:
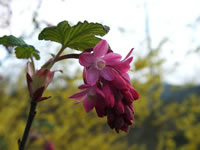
(123, 66)
(89, 96)
(38, 81)
(99, 63)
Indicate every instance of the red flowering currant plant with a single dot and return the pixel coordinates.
(106, 87)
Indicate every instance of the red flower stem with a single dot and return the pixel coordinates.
(76, 56)
(31, 116)
(67, 56)
(59, 58)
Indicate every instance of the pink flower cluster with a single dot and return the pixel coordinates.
(107, 86)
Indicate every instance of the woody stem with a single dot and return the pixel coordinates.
(31, 116)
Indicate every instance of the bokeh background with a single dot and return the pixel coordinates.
(165, 72)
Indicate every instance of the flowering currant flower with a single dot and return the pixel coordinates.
(38, 81)
(123, 66)
(107, 86)
(99, 63)
(90, 94)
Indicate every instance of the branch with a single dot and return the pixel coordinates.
(31, 116)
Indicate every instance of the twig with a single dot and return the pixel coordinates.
(31, 116)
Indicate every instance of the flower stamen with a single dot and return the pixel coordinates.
(100, 64)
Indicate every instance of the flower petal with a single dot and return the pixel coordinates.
(86, 59)
(112, 58)
(129, 54)
(84, 86)
(128, 98)
(77, 102)
(107, 73)
(128, 61)
(29, 68)
(109, 96)
(100, 107)
(123, 66)
(84, 75)
(134, 93)
(38, 94)
(88, 104)
(50, 76)
(79, 95)
(29, 83)
(92, 76)
(126, 76)
(43, 98)
(120, 83)
(42, 77)
(101, 48)
(99, 92)
(119, 107)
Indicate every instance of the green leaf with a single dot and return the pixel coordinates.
(22, 49)
(26, 52)
(80, 36)
(11, 41)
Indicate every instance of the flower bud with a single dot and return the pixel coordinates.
(49, 146)
(38, 81)
(119, 107)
